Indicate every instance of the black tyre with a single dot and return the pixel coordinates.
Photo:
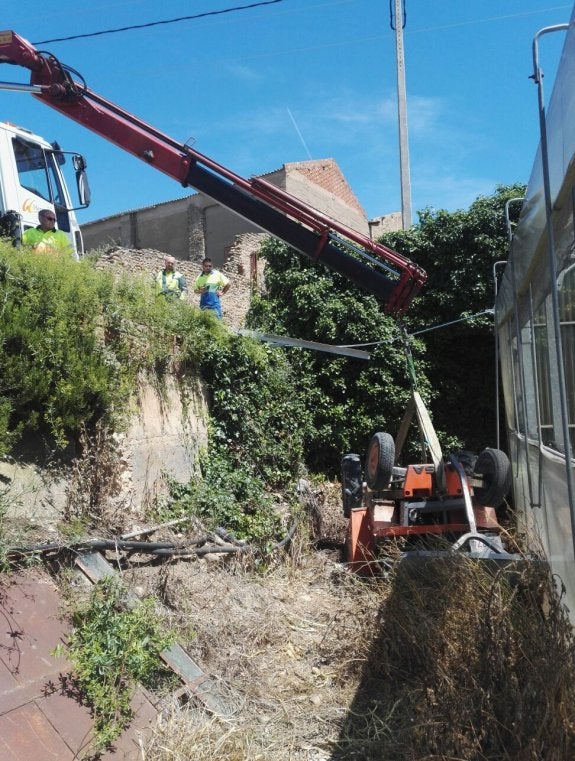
(379, 461)
(351, 483)
(494, 467)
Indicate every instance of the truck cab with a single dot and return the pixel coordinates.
(32, 178)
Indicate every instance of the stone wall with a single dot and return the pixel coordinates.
(242, 267)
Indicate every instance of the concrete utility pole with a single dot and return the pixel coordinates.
(397, 22)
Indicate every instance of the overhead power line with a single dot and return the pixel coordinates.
(469, 317)
(158, 23)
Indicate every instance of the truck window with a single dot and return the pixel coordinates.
(36, 171)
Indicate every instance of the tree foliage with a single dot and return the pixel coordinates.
(458, 251)
(348, 399)
(53, 373)
(257, 416)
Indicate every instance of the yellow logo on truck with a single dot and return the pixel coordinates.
(29, 205)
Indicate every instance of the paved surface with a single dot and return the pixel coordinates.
(41, 717)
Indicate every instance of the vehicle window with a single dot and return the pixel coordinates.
(31, 165)
(567, 317)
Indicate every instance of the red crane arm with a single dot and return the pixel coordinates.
(391, 277)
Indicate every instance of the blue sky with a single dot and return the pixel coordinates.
(302, 79)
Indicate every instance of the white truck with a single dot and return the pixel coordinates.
(32, 178)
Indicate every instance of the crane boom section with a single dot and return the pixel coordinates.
(391, 277)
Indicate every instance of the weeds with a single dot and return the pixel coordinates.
(228, 496)
(111, 651)
(469, 663)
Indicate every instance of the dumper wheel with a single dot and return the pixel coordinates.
(494, 466)
(379, 461)
(351, 483)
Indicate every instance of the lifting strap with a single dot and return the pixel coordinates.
(430, 445)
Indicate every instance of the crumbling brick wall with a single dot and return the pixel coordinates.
(243, 267)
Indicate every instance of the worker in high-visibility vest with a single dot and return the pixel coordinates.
(211, 285)
(45, 238)
(169, 282)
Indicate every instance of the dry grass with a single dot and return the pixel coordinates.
(181, 735)
(280, 641)
(445, 661)
(469, 663)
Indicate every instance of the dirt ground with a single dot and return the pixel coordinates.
(278, 644)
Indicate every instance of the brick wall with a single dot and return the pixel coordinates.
(328, 176)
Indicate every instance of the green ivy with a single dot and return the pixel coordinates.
(230, 495)
(347, 399)
(258, 418)
(112, 650)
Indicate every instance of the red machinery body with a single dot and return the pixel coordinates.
(394, 279)
(424, 509)
(414, 513)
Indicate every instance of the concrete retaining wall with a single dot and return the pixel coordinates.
(164, 434)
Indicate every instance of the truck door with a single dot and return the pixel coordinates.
(41, 185)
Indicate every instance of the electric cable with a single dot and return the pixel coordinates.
(423, 330)
(159, 23)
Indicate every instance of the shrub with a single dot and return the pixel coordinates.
(111, 651)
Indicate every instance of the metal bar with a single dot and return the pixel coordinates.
(402, 118)
(552, 264)
(496, 336)
(16, 87)
(302, 344)
(537, 412)
(404, 427)
(431, 441)
(466, 495)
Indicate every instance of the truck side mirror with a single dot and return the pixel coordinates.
(83, 187)
(79, 162)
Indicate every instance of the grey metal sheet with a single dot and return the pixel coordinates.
(302, 344)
